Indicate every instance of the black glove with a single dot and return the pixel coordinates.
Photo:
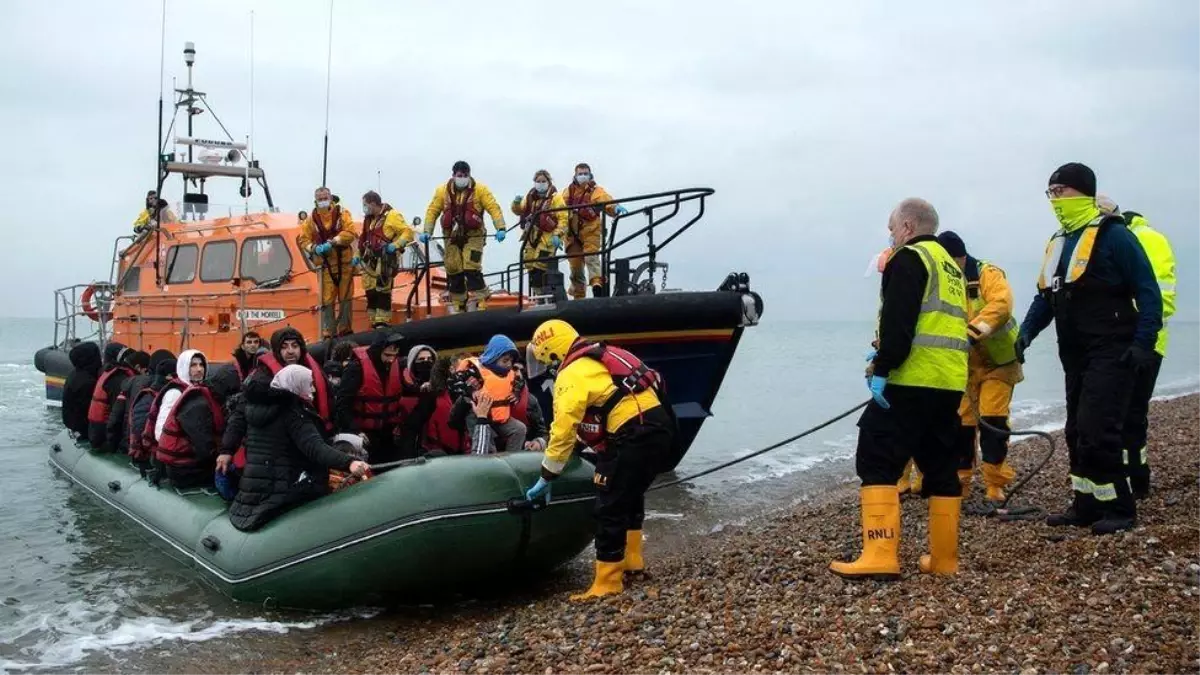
(1023, 342)
(1138, 357)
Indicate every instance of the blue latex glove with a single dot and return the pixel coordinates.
(500, 235)
(620, 210)
(876, 384)
(542, 486)
(556, 242)
(390, 248)
(518, 199)
(871, 355)
(423, 237)
(356, 261)
(322, 249)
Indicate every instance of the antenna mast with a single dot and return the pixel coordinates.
(250, 138)
(328, 73)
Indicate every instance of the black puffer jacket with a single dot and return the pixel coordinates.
(81, 382)
(196, 422)
(287, 461)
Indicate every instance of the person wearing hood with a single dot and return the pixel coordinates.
(494, 374)
(190, 369)
(1099, 289)
(114, 429)
(140, 399)
(336, 361)
(108, 387)
(191, 435)
(246, 354)
(79, 386)
(368, 401)
(418, 400)
(288, 348)
(287, 459)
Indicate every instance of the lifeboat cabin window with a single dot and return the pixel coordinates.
(181, 263)
(265, 258)
(132, 281)
(216, 263)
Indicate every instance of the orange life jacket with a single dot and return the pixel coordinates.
(322, 400)
(101, 403)
(499, 387)
(175, 448)
(439, 435)
(376, 404)
(630, 376)
(584, 196)
(335, 224)
(466, 214)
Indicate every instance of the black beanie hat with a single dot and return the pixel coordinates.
(1077, 176)
(953, 244)
(461, 166)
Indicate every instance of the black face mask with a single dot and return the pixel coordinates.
(421, 370)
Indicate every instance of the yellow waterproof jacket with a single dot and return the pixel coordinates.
(395, 230)
(484, 202)
(319, 228)
(1162, 260)
(522, 208)
(143, 219)
(998, 304)
(582, 384)
(576, 193)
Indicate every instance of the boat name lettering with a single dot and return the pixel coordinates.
(261, 314)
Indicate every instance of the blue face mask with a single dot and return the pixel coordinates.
(541, 187)
(461, 182)
(582, 178)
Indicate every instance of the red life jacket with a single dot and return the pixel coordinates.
(630, 376)
(101, 404)
(535, 201)
(584, 196)
(521, 410)
(372, 238)
(136, 451)
(147, 445)
(175, 448)
(376, 404)
(322, 399)
(438, 433)
(335, 225)
(467, 213)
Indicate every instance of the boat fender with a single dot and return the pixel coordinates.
(211, 543)
(114, 486)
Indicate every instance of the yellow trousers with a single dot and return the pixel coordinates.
(378, 290)
(337, 288)
(587, 240)
(464, 271)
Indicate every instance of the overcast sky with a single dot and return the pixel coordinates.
(811, 120)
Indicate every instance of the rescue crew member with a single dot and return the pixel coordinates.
(585, 232)
(1099, 289)
(288, 348)
(79, 387)
(108, 387)
(154, 213)
(633, 432)
(191, 436)
(114, 429)
(287, 459)
(246, 354)
(327, 237)
(385, 235)
(461, 203)
(543, 232)
(140, 403)
(993, 370)
(368, 401)
(494, 375)
(917, 378)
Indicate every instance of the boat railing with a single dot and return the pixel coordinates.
(657, 207)
(89, 302)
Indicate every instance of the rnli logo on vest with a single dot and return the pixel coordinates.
(589, 427)
(260, 315)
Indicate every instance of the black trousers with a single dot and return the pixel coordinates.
(1133, 434)
(922, 425)
(632, 457)
(1098, 388)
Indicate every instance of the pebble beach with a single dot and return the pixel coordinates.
(758, 599)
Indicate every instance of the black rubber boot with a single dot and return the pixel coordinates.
(1113, 524)
(599, 291)
(1070, 518)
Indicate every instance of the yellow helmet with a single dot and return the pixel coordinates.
(552, 340)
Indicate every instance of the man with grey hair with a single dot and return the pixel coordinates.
(917, 377)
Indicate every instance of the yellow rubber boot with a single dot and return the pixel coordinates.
(880, 536)
(633, 551)
(608, 581)
(943, 536)
(997, 477)
(965, 477)
(918, 480)
(904, 486)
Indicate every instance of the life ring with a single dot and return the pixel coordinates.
(96, 301)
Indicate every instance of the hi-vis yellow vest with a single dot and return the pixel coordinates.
(1001, 345)
(938, 358)
(1077, 265)
(1162, 260)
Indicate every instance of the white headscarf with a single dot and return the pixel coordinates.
(296, 379)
